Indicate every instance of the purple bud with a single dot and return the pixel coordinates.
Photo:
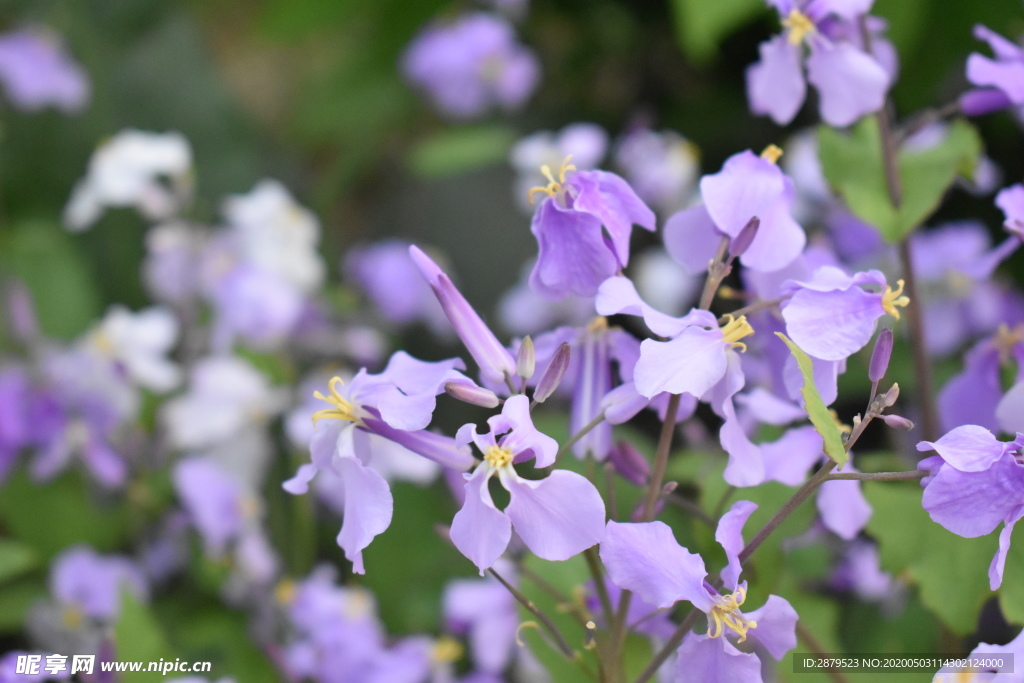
(897, 422)
(22, 313)
(494, 359)
(983, 101)
(891, 396)
(554, 373)
(472, 394)
(745, 238)
(880, 355)
(526, 360)
(630, 463)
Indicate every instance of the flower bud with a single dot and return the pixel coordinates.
(880, 355)
(630, 463)
(22, 313)
(472, 394)
(553, 375)
(745, 238)
(897, 422)
(526, 360)
(891, 396)
(982, 101)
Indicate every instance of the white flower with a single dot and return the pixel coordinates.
(139, 342)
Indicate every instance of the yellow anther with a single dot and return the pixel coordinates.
(285, 591)
(1006, 339)
(101, 342)
(342, 409)
(734, 330)
(554, 187)
(598, 325)
(891, 300)
(249, 506)
(772, 153)
(447, 649)
(799, 25)
(840, 425)
(72, 618)
(525, 624)
(498, 456)
(726, 614)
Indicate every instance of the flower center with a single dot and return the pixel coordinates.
(772, 153)
(447, 650)
(726, 613)
(497, 457)
(799, 25)
(734, 330)
(342, 410)
(285, 591)
(554, 187)
(1006, 339)
(72, 618)
(893, 299)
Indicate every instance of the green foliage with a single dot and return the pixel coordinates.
(221, 637)
(15, 559)
(854, 165)
(951, 572)
(1011, 593)
(459, 150)
(701, 26)
(815, 406)
(16, 598)
(138, 636)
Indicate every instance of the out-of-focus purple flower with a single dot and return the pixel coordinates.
(976, 482)
(523, 311)
(37, 72)
(471, 65)
(661, 166)
(664, 284)
(486, 613)
(748, 186)
(831, 317)
(391, 280)
(126, 171)
(89, 585)
(1000, 80)
(850, 80)
(860, 571)
(1011, 201)
(646, 559)
(585, 143)
(583, 228)
(1006, 673)
(495, 362)
(171, 270)
(556, 517)
(17, 399)
(373, 412)
(974, 396)
(218, 504)
(9, 672)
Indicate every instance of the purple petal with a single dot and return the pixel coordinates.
(850, 82)
(968, 448)
(729, 535)
(299, 483)
(1007, 76)
(789, 459)
(368, 509)
(622, 403)
(780, 239)
(104, 463)
(479, 530)
(691, 238)
(610, 199)
(747, 186)
(557, 517)
(524, 438)
(410, 403)
(618, 295)
(832, 325)
(972, 504)
(573, 257)
(843, 508)
(776, 626)
(995, 570)
(691, 363)
(746, 467)
(1010, 411)
(764, 406)
(775, 84)
(213, 498)
(646, 559)
(443, 450)
(715, 660)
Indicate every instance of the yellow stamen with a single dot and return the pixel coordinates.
(799, 25)
(342, 410)
(447, 650)
(736, 329)
(72, 618)
(1006, 339)
(498, 456)
(598, 325)
(101, 342)
(772, 153)
(525, 624)
(893, 299)
(554, 187)
(285, 591)
(726, 613)
(842, 426)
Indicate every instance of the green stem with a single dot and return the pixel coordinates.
(563, 644)
(579, 435)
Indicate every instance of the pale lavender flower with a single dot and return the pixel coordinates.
(488, 615)
(523, 311)
(387, 274)
(37, 72)
(1000, 81)
(471, 65)
(171, 269)
(138, 344)
(974, 395)
(17, 400)
(661, 166)
(89, 585)
(1001, 674)
(975, 483)
(556, 517)
(585, 143)
(1011, 201)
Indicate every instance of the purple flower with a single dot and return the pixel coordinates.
(89, 585)
(583, 229)
(747, 186)
(584, 142)
(556, 517)
(220, 506)
(831, 317)
(851, 82)
(1002, 674)
(1011, 201)
(661, 166)
(975, 395)
(646, 559)
(1000, 80)
(486, 612)
(976, 482)
(470, 65)
(17, 399)
(389, 277)
(368, 414)
(37, 73)
(496, 363)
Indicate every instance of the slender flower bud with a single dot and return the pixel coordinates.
(630, 463)
(892, 395)
(554, 373)
(983, 101)
(526, 360)
(880, 355)
(897, 422)
(494, 359)
(443, 450)
(472, 394)
(746, 237)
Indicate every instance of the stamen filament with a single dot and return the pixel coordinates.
(342, 410)
(735, 329)
(799, 25)
(893, 299)
(554, 187)
(726, 613)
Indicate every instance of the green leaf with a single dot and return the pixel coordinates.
(816, 408)
(854, 165)
(458, 150)
(16, 598)
(1011, 593)
(15, 559)
(138, 636)
(951, 572)
(701, 25)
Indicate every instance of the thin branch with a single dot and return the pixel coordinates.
(586, 429)
(560, 640)
(804, 634)
(911, 475)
